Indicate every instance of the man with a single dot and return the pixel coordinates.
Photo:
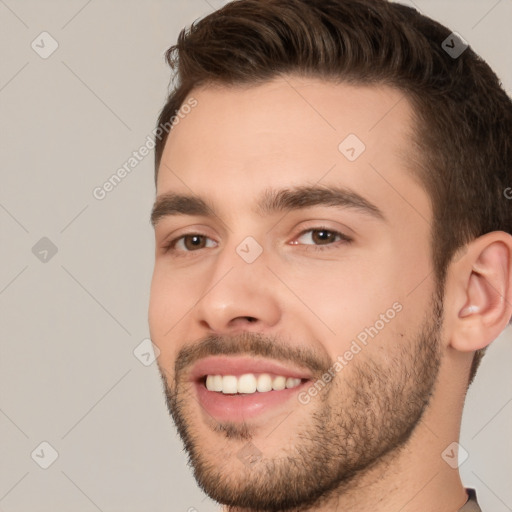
(333, 252)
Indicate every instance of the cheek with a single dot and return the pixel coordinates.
(167, 303)
(174, 294)
(162, 316)
(345, 293)
(363, 298)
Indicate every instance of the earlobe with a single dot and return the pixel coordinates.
(485, 292)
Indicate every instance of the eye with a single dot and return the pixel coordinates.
(320, 236)
(189, 243)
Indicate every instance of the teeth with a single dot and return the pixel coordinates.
(278, 383)
(248, 383)
(229, 384)
(291, 382)
(217, 383)
(264, 383)
(214, 382)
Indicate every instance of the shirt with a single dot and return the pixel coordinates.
(471, 505)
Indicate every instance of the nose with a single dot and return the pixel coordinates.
(238, 296)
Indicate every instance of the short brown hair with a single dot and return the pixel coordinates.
(463, 117)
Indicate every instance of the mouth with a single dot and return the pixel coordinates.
(240, 388)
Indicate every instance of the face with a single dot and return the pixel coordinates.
(293, 296)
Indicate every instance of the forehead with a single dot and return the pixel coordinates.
(237, 141)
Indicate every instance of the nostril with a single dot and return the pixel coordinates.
(241, 321)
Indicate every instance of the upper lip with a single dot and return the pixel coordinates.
(229, 365)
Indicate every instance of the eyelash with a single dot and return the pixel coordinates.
(343, 239)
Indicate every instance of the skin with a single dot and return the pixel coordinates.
(238, 142)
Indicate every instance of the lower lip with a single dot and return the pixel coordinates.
(240, 407)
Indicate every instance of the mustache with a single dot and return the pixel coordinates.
(253, 344)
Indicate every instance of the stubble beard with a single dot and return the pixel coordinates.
(364, 417)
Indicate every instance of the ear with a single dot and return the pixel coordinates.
(479, 298)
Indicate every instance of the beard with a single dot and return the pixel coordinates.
(361, 419)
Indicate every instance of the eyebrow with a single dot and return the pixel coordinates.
(272, 201)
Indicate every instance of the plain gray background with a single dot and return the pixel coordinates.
(70, 321)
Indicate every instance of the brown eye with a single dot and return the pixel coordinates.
(192, 242)
(189, 243)
(322, 236)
